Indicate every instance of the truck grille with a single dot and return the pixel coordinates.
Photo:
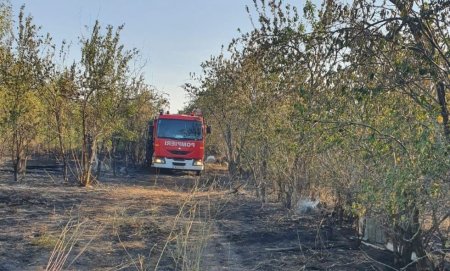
(179, 152)
(179, 164)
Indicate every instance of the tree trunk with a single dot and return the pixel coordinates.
(440, 89)
(288, 196)
(84, 161)
(115, 144)
(62, 149)
(16, 168)
(14, 156)
(232, 169)
(89, 146)
(23, 163)
(100, 158)
(127, 156)
(87, 152)
(65, 168)
(264, 172)
(423, 263)
(92, 153)
(18, 156)
(409, 241)
(232, 164)
(84, 150)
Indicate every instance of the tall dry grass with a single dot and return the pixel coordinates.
(187, 235)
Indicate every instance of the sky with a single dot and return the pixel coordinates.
(173, 36)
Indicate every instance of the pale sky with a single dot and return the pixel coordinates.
(173, 36)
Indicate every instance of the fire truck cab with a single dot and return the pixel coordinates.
(177, 141)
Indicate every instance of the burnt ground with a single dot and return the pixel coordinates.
(255, 237)
(169, 221)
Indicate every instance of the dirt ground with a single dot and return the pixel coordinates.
(169, 221)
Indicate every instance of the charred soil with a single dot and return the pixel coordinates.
(166, 221)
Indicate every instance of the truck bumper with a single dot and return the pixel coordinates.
(181, 164)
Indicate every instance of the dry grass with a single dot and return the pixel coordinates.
(190, 239)
(216, 167)
(190, 231)
(46, 240)
(71, 235)
(186, 232)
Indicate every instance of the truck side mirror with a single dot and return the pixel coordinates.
(208, 129)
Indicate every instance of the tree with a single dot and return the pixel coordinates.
(364, 110)
(139, 107)
(402, 46)
(250, 104)
(5, 18)
(23, 72)
(5, 28)
(217, 97)
(59, 96)
(379, 63)
(105, 79)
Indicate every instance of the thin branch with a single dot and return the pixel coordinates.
(362, 125)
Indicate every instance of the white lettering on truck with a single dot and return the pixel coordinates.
(179, 144)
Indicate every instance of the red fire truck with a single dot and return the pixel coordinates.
(177, 141)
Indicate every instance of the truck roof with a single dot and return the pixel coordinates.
(180, 117)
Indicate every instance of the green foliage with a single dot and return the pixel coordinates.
(22, 73)
(82, 108)
(347, 106)
(109, 95)
(5, 18)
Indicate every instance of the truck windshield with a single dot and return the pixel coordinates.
(179, 129)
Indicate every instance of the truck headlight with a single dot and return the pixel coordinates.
(198, 163)
(159, 160)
